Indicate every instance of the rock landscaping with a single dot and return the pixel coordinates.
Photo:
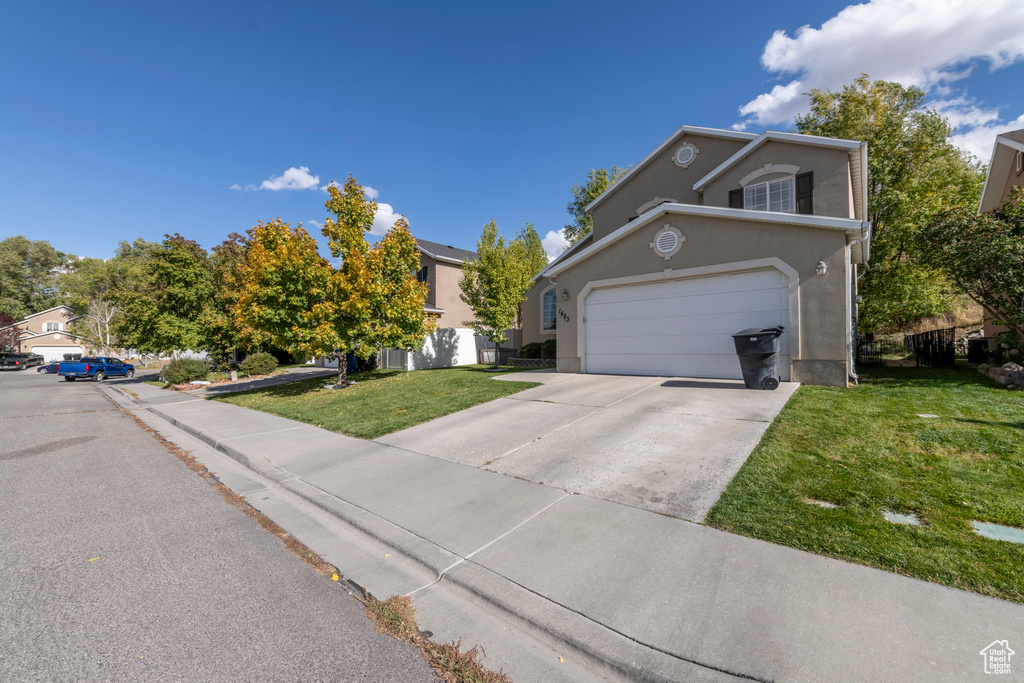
(1010, 375)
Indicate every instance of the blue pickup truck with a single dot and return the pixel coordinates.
(95, 367)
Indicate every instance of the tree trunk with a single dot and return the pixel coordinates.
(496, 355)
(342, 368)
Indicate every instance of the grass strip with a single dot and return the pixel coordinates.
(867, 450)
(381, 401)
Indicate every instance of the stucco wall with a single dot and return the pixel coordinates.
(824, 308)
(443, 279)
(831, 168)
(662, 178)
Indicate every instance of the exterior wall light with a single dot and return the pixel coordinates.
(565, 294)
(822, 268)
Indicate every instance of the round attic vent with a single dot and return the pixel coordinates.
(685, 155)
(666, 242)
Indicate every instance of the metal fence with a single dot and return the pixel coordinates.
(872, 352)
(933, 349)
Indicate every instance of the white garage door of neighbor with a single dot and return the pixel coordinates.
(52, 353)
(683, 327)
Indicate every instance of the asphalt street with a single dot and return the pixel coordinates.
(118, 563)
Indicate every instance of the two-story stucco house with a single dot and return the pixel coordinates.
(46, 333)
(1005, 171)
(453, 343)
(713, 232)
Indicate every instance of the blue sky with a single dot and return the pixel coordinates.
(126, 120)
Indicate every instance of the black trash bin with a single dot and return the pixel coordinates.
(758, 351)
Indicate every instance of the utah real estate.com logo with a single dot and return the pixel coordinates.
(997, 657)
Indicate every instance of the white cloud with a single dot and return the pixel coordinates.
(927, 43)
(979, 140)
(292, 179)
(318, 224)
(554, 243)
(370, 192)
(384, 219)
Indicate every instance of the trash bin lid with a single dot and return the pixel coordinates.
(753, 331)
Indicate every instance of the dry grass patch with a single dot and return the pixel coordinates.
(396, 617)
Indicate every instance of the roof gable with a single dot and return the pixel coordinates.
(856, 150)
(671, 139)
(855, 230)
(1004, 149)
(48, 310)
(445, 252)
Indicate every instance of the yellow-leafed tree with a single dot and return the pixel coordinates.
(294, 298)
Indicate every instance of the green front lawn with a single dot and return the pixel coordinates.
(866, 450)
(382, 401)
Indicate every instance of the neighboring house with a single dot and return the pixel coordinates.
(1005, 171)
(46, 333)
(453, 343)
(713, 232)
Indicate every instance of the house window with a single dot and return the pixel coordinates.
(52, 327)
(421, 274)
(774, 195)
(549, 310)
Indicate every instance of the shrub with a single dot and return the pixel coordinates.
(548, 349)
(185, 370)
(261, 363)
(531, 350)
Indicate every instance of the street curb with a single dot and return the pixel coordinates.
(604, 648)
(264, 469)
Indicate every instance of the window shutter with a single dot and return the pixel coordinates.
(805, 193)
(736, 199)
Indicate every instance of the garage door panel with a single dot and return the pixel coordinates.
(685, 345)
(608, 345)
(682, 327)
(56, 353)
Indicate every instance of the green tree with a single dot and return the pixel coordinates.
(87, 286)
(226, 261)
(983, 254)
(598, 180)
(293, 297)
(495, 283)
(164, 305)
(913, 170)
(29, 275)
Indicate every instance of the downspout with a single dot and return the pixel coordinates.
(853, 331)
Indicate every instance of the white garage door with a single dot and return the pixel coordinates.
(52, 353)
(683, 327)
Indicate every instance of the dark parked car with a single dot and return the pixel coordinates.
(20, 361)
(49, 368)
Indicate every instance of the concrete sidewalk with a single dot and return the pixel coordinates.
(624, 593)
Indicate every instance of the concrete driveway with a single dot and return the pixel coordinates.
(666, 444)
